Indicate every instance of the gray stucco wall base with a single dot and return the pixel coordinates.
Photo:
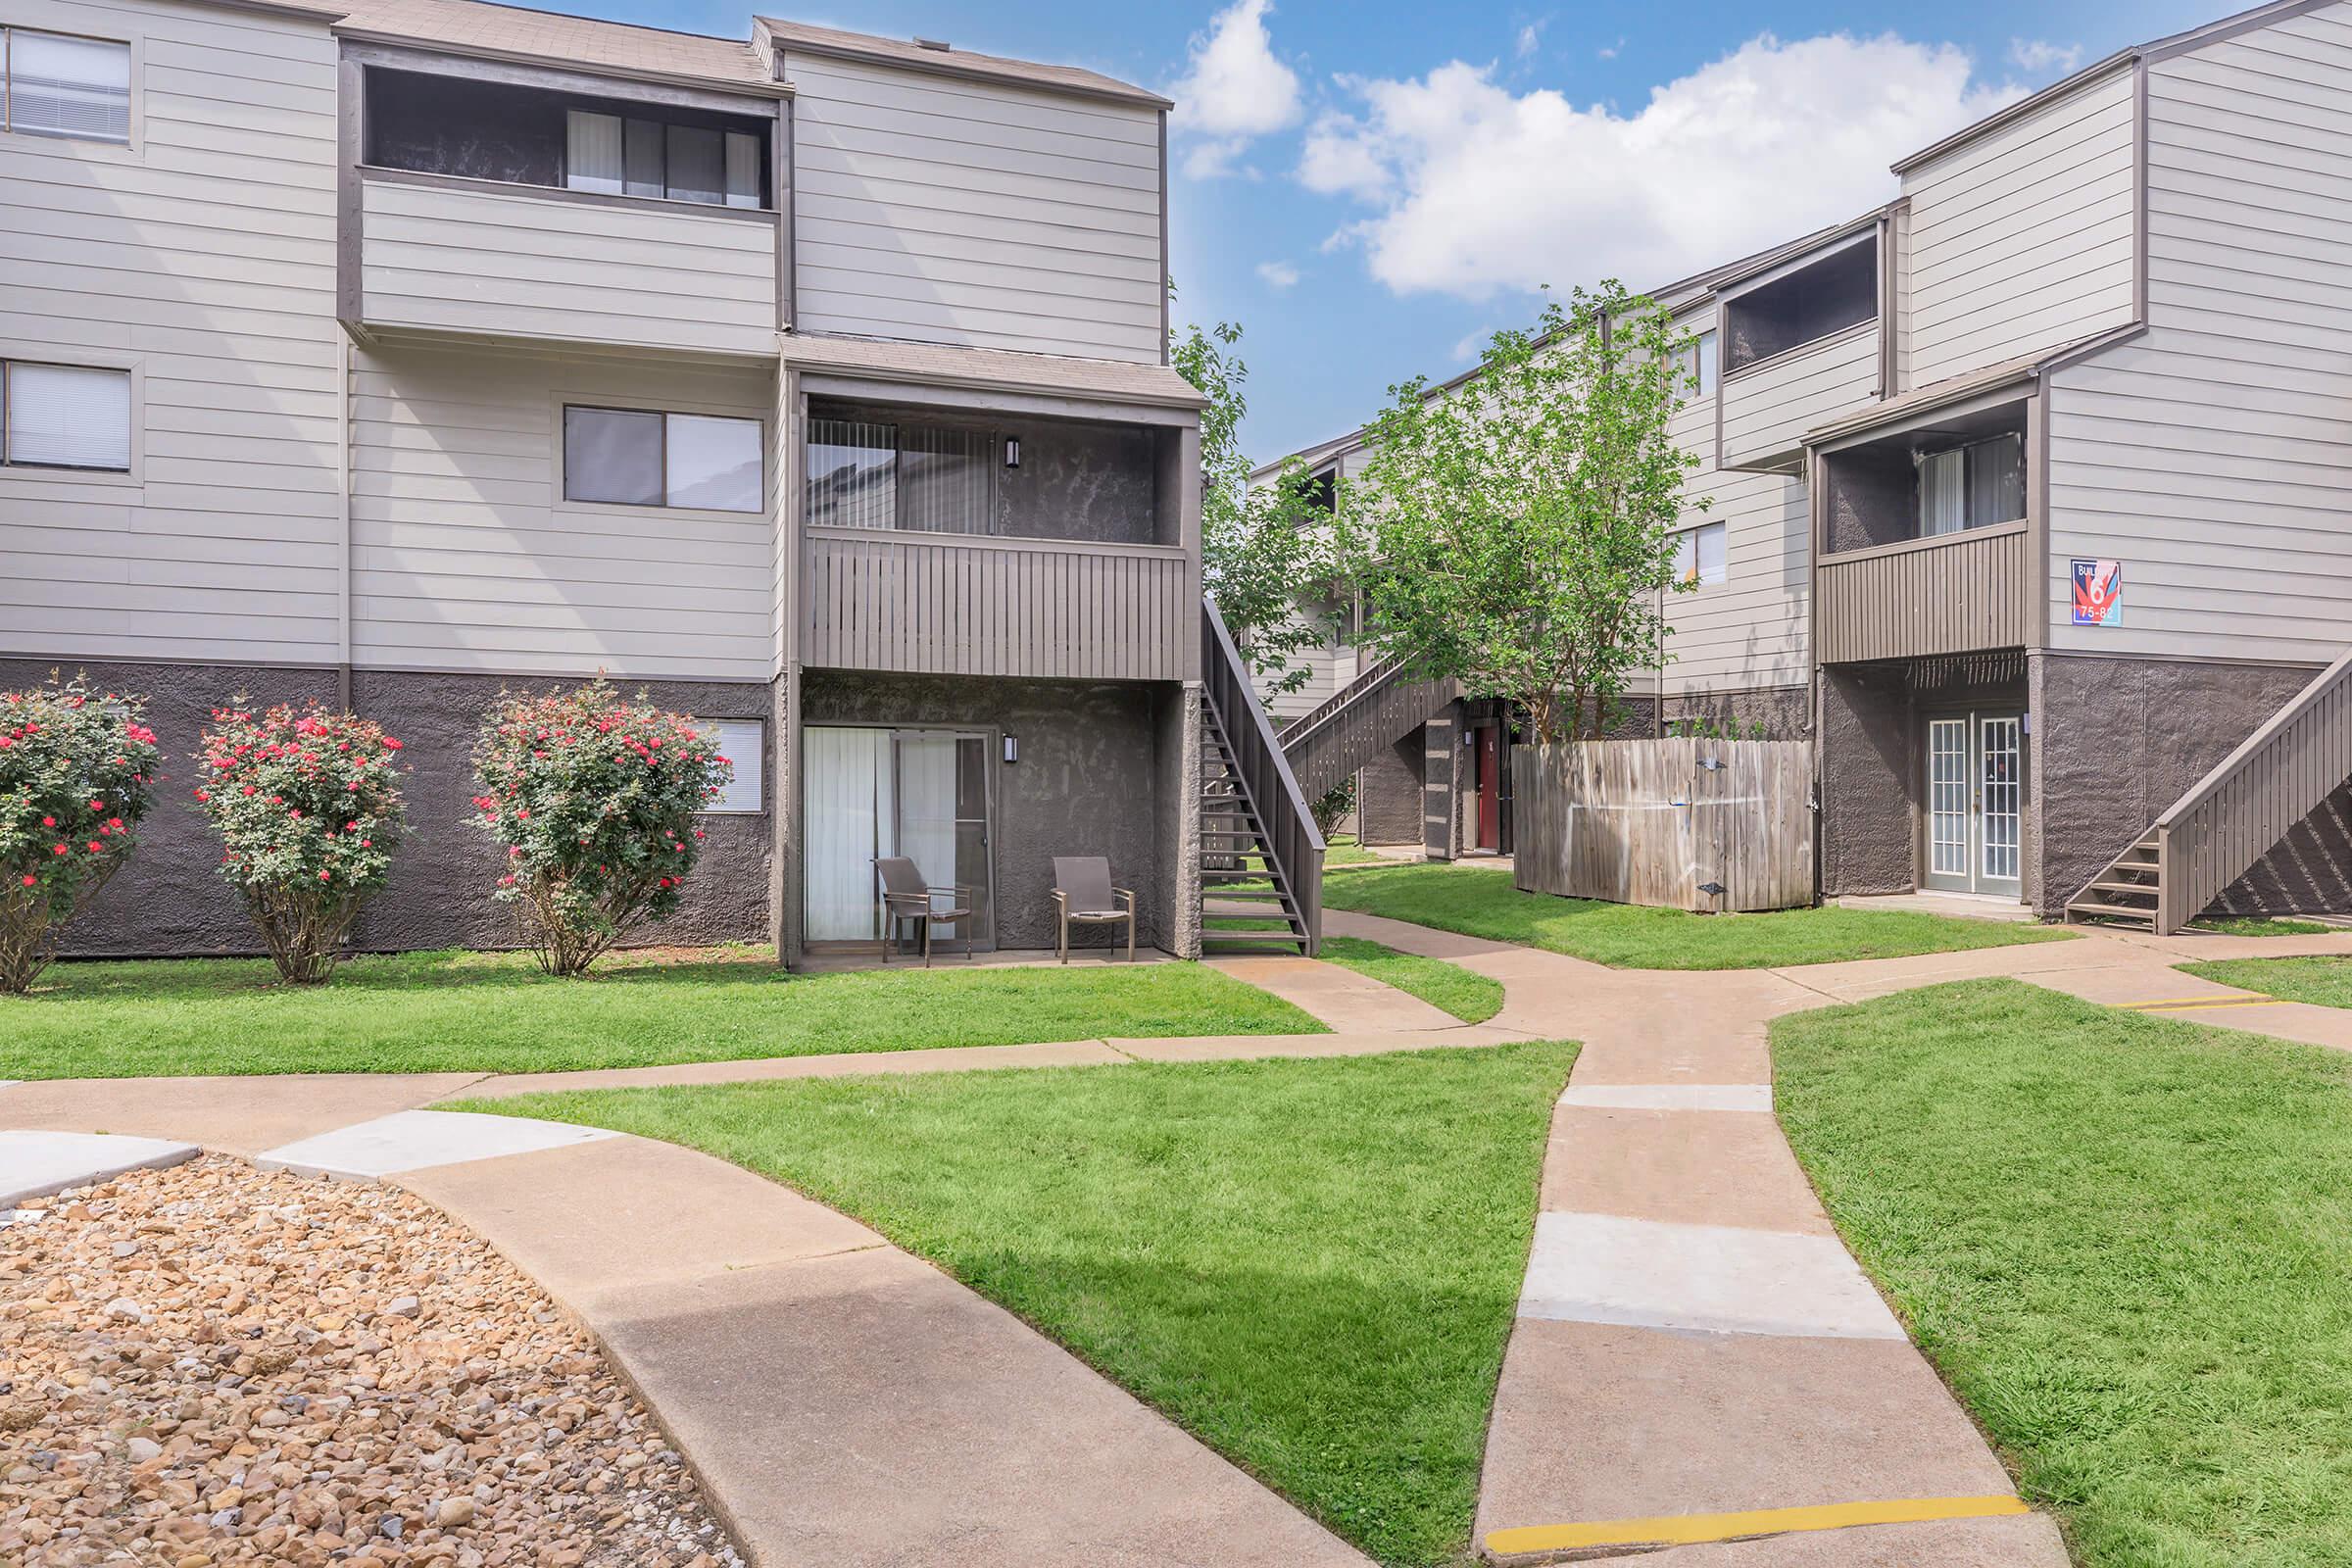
(2117, 741)
(1089, 781)
(170, 900)
(1869, 789)
(1785, 711)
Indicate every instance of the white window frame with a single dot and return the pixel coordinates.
(1691, 536)
(758, 751)
(42, 473)
(1699, 367)
(605, 403)
(74, 146)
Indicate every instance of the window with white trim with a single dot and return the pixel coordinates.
(743, 742)
(55, 84)
(63, 416)
(1699, 365)
(1699, 555)
(646, 458)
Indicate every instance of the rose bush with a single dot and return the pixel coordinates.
(594, 799)
(308, 809)
(75, 772)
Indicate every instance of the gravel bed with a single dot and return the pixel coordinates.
(212, 1364)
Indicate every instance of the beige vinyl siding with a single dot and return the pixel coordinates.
(1749, 630)
(958, 212)
(1768, 406)
(200, 257)
(2023, 237)
(509, 262)
(1329, 667)
(466, 556)
(2213, 455)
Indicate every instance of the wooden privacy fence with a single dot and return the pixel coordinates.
(1684, 824)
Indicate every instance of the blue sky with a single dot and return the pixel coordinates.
(1371, 188)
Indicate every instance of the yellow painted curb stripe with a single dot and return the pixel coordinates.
(1680, 1530)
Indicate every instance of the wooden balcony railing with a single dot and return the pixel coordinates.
(1956, 594)
(966, 604)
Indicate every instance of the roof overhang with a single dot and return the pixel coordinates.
(913, 368)
(549, 67)
(1988, 387)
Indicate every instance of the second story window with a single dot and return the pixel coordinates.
(64, 417)
(1699, 555)
(630, 157)
(932, 478)
(56, 86)
(1698, 366)
(638, 458)
(1973, 486)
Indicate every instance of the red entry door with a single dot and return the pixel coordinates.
(1490, 786)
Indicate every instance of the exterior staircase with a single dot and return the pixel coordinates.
(2232, 816)
(1261, 856)
(1358, 721)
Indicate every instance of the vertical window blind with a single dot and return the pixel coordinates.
(64, 417)
(60, 86)
(628, 157)
(934, 479)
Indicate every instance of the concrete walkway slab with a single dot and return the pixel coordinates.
(1685, 1167)
(412, 1140)
(1946, 1543)
(1600, 1422)
(1710, 1279)
(1336, 997)
(845, 1404)
(759, 1069)
(1670, 1097)
(234, 1115)
(34, 1164)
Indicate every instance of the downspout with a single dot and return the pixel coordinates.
(343, 519)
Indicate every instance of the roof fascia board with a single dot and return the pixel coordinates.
(1967, 400)
(1064, 403)
(1863, 232)
(948, 66)
(397, 52)
(2031, 102)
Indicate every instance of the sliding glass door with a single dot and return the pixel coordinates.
(874, 793)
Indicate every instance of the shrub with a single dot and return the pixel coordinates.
(594, 799)
(75, 776)
(308, 809)
(1336, 803)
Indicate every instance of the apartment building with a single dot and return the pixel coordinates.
(395, 353)
(2033, 495)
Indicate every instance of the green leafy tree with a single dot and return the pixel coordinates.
(594, 799)
(1513, 532)
(1266, 551)
(307, 806)
(76, 774)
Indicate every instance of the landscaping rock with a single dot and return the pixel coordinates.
(287, 1370)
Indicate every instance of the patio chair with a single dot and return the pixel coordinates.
(905, 896)
(1083, 896)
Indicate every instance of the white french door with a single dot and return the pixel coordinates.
(873, 792)
(1975, 790)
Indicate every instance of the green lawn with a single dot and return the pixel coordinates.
(2126, 1241)
(495, 1012)
(1479, 902)
(2262, 925)
(1448, 987)
(1311, 1264)
(1343, 849)
(2326, 981)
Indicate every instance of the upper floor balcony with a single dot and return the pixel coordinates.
(517, 202)
(1925, 539)
(1800, 341)
(947, 541)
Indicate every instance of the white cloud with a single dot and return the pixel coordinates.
(1277, 274)
(2039, 55)
(1471, 345)
(1474, 189)
(1531, 38)
(1234, 90)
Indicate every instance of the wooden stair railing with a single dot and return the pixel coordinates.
(1258, 844)
(2232, 816)
(1349, 728)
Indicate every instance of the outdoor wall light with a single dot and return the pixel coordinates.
(1012, 748)
(1012, 460)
